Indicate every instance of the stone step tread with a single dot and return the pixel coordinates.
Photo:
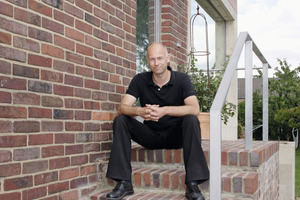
(233, 154)
(243, 182)
(157, 195)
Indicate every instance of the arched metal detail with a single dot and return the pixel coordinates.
(194, 51)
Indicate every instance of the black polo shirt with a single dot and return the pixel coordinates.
(171, 94)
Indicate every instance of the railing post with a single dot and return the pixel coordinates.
(265, 102)
(249, 95)
(215, 155)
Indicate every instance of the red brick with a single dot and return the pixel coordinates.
(26, 154)
(79, 160)
(92, 105)
(5, 97)
(26, 99)
(45, 178)
(52, 126)
(82, 93)
(74, 103)
(226, 184)
(14, 195)
(22, 3)
(251, 183)
(26, 126)
(59, 163)
(12, 54)
(64, 18)
(84, 5)
(12, 169)
(101, 35)
(73, 10)
(101, 137)
(40, 8)
(86, 170)
(74, 126)
(39, 112)
(73, 80)
(34, 193)
(38, 86)
(5, 67)
(79, 182)
(52, 51)
(64, 42)
(83, 71)
(63, 90)
(40, 139)
(13, 141)
(52, 151)
(64, 66)
(101, 14)
(92, 42)
(5, 156)
(62, 114)
(101, 75)
(73, 57)
(92, 63)
(40, 34)
(52, 101)
(74, 149)
(108, 7)
(5, 37)
(61, 138)
(58, 187)
(107, 106)
(83, 27)
(27, 17)
(120, 89)
(39, 60)
(68, 173)
(33, 167)
(6, 9)
(85, 50)
(52, 26)
(73, 194)
(92, 84)
(92, 147)
(83, 115)
(13, 27)
(18, 183)
(20, 70)
(74, 34)
(92, 127)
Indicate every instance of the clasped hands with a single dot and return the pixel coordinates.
(152, 112)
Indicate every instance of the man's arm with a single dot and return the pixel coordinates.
(127, 107)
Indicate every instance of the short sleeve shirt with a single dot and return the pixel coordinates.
(172, 93)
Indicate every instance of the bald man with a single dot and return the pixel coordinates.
(169, 108)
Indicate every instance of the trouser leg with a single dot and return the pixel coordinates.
(124, 129)
(194, 159)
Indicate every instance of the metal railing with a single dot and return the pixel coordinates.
(244, 39)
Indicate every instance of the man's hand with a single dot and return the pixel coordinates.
(153, 112)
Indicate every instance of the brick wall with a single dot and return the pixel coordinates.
(175, 25)
(64, 66)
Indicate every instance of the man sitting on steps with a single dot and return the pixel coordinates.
(169, 108)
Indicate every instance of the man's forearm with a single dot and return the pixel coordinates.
(128, 110)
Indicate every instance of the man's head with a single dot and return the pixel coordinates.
(158, 58)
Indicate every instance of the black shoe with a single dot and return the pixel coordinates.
(193, 192)
(122, 189)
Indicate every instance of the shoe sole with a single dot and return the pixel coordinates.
(119, 198)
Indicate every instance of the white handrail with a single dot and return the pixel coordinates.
(219, 101)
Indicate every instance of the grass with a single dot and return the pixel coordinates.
(297, 176)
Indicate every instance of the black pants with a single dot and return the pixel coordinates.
(186, 135)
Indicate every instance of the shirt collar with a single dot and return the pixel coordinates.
(172, 79)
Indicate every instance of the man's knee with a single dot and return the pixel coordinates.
(193, 119)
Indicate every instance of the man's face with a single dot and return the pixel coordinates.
(157, 59)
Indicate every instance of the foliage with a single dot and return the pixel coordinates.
(257, 114)
(142, 35)
(297, 173)
(284, 99)
(206, 93)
